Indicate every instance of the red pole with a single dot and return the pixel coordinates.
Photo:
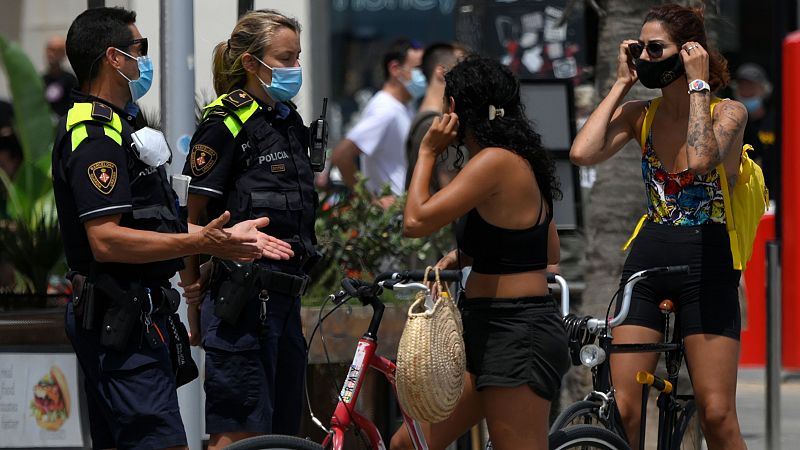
(790, 203)
(754, 322)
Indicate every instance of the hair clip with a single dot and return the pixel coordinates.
(495, 112)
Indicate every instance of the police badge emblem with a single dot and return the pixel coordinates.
(203, 159)
(103, 175)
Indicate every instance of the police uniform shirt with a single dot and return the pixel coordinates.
(268, 176)
(215, 155)
(95, 180)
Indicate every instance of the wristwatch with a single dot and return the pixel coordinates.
(699, 86)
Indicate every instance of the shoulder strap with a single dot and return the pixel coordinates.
(98, 113)
(238, 104)
(652, 106)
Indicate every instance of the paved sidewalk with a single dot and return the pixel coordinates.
(751, 406)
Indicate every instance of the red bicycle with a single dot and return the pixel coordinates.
(345, 416)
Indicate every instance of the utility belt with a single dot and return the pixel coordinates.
(234, 284)
(101, 303)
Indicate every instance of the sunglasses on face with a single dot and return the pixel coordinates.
(142, 49)
(654, 49)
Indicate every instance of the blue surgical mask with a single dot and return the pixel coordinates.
(141, 85)
(286, 82)
(417, 85)
(751, 103)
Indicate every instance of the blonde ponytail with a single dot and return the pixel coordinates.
(224, 80)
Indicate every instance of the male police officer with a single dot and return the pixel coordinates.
(123, 239)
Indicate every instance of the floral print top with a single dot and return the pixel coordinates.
(683, 198)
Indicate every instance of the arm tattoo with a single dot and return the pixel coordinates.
(700, 138)
(728, 129)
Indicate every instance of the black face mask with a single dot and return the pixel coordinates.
(656, 75)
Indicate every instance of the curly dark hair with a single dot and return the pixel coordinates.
(478, 82)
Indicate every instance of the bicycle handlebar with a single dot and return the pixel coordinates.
(418, 275)
(594, 324)
(362, 290)
(554, 278)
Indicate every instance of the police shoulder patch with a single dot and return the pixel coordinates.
(101, 111)
(238, 98)
(103, 175)
(203, 159)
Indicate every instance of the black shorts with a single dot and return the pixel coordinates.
(706, 300)
(516, 341)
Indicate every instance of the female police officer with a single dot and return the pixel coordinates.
(250, 155)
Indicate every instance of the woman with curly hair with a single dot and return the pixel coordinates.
(515, 341)
(682, 153)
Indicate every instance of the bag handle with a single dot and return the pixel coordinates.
(442, 288)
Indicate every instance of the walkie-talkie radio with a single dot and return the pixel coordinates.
(319, 139)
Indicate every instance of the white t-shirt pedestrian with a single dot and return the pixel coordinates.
(381, 136)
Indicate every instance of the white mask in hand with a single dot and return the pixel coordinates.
(151, 146)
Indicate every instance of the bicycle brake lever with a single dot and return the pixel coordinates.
(408, 286)
(338, 299)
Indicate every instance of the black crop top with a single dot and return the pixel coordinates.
(498, 250)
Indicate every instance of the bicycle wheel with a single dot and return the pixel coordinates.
(587, 437)
(687, 434)
(584, 412)
(274, 442)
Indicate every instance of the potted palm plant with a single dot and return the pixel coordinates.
(29, 237)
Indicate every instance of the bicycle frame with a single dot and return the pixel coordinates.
(345, 415)
(671, 410)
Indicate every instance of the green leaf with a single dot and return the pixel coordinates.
(34, 124)
(26, 190)
(34, 247)
(357, 237)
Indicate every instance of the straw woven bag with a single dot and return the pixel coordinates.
(430, 359)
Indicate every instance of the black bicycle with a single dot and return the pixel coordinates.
(597, 415)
